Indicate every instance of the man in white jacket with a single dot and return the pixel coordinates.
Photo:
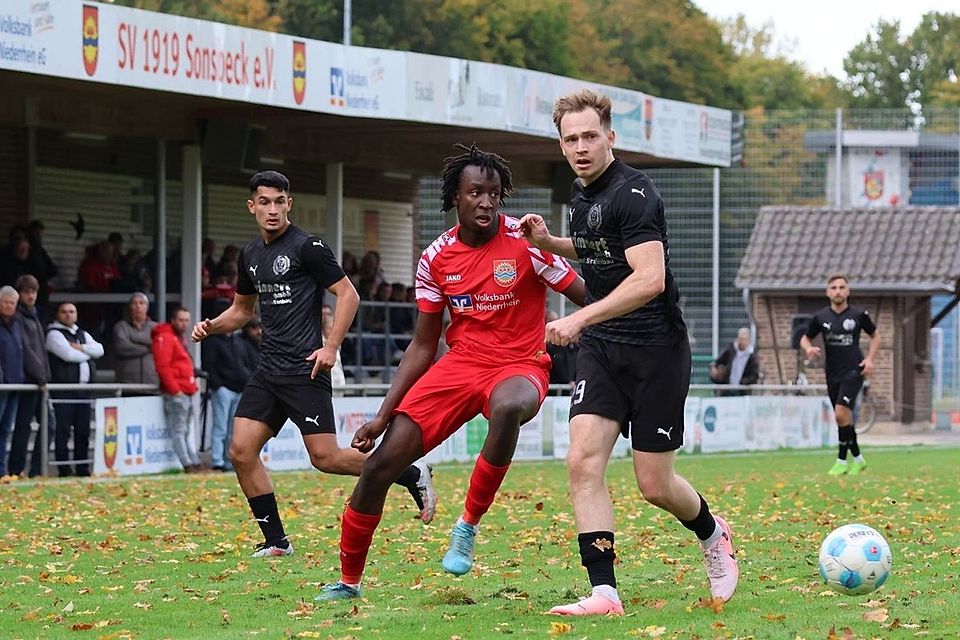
(72, 353)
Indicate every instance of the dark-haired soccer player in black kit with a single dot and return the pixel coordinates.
(846, 367)
(633, 367)
(288, 270)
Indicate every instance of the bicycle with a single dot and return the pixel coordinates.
(864, 407)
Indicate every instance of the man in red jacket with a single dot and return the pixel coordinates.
(178, 384)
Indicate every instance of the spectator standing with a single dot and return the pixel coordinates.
(11, 362)
(178, 384)
(43, 267)
(133, 343)
(227, 374)
(207, 261)
(15, 260)
(36, 369)
(737, 364)
(250, 343)
(72, 353)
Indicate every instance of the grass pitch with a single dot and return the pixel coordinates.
(167, 557)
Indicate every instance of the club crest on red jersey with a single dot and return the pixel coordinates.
(505, 272)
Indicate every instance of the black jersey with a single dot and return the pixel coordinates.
(289, 275)
(841, 338)
(619, 210)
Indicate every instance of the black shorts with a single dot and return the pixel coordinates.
(643, 388)
(272, 399)
(844, 392)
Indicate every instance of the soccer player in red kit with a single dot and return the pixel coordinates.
(495, 287)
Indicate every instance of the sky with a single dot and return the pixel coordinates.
(822, 32)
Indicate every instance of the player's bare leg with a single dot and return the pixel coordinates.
(662, 487)
(327, 456)
(512, 402)
(402, 444)
(591, 440)
(248, 439)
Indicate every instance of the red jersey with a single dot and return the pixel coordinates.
(496, 293)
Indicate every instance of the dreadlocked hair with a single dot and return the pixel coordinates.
(454, 165)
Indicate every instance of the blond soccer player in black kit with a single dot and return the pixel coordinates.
(633, 367)
(288, 270)
(846, 366)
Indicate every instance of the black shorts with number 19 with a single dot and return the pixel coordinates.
(272, 399)
(642, 387)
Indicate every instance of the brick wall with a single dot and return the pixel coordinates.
(890, 316)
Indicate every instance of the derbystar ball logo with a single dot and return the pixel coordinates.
(91, 39)
(299, 71)
(505, 272)
(110, 431)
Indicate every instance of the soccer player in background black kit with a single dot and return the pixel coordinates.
(846, 367)
(288, 270)
(633, 367)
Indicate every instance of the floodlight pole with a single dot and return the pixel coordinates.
(838, 184)
(347, 18)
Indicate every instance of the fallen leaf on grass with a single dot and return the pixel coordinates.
(224, 617)
(714, 604)
(303, 610)
(774, 617)
(82, 626)
(847, 634)
(560, 628)
(876, 615)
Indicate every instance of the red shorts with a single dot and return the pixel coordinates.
(457, 387)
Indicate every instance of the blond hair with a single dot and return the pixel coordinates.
(581, 101)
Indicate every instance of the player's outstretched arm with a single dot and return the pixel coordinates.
(576, 292)
(418, 357)
(535, 231)
(233, 318)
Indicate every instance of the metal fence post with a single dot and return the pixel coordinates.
(43, 440)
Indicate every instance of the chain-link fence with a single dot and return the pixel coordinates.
(890, 158)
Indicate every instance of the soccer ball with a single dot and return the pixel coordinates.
(854, 559)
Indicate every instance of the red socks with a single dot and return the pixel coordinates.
(356, 534)
(484, 483)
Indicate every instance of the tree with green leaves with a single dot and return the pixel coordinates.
(892, 70)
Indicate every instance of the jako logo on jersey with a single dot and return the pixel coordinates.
(91, 39)
(299, 71)
(505, 272)
(595, 217)
(461, 304)
(281, 265)
(453, 277)
(849, 324)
